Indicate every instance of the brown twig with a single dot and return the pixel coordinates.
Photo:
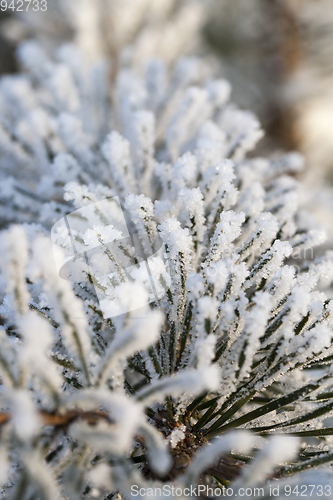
(64, 419)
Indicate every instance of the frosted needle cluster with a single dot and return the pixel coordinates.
(174, 325)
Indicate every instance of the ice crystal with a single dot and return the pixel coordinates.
(177, 302)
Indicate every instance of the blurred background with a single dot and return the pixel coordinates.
(277, 54)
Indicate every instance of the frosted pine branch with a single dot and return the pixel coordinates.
(178, 301)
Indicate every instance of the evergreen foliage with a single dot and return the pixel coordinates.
(228, 335)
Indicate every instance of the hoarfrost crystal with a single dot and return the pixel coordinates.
(173, 310)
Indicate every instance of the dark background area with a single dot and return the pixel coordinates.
(7, 50)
